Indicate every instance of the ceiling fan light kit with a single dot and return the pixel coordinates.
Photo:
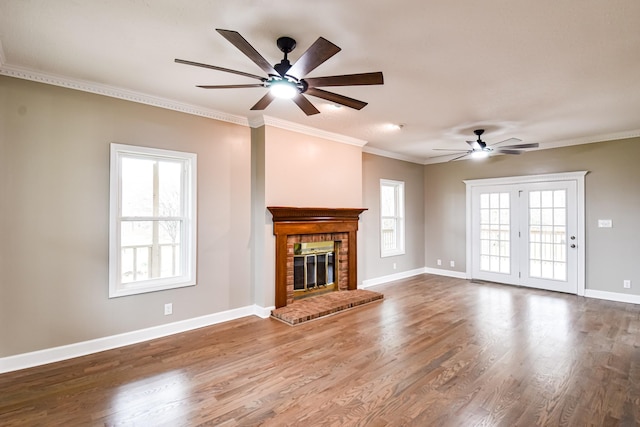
(480, 154)
(285, 80)
(283, 88)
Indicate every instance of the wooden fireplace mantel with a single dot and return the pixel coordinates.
(283, 213)
(300, 221)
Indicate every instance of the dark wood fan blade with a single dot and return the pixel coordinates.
(229, 86)
(505, 151)
(347, 80)
(305, 105)
(520, 146)
(444, 155)
(238, 41)
(474, 145)
(513, 140)
(213, 67)
(459, 157)
(338, 99)
(317, 53)
(264, 101)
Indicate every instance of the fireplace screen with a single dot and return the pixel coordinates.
(313, 266)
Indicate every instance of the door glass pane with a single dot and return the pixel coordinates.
(484, 262)
(546, 217)
(534, 199)
(547, 234)
(504, 200)
(484, 201)
(495, 233)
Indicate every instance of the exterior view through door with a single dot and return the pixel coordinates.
(527, 231)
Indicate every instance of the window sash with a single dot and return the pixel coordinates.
(175, 242)
(391, 218)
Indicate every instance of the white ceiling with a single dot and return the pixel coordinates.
(546, 71)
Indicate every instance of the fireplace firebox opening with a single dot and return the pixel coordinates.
(315, 268)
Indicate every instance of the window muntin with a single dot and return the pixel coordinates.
(152, 220)
(391, 218)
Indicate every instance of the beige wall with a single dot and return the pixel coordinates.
(612, 189)
(303, 171)
(375, 168)
(54, 181)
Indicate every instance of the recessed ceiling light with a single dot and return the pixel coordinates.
(395, 126)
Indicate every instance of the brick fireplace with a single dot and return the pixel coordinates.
(293, 225)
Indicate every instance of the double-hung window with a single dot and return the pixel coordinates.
(152, 236)
(391, 217)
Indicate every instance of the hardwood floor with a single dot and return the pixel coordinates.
(435, 352)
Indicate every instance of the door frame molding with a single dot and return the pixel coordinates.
(577, 176)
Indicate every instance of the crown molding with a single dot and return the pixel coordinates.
(591, 139)
(391, 155)
(307, 130)
(114, 92)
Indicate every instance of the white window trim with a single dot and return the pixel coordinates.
(400, 202)
(188, 278)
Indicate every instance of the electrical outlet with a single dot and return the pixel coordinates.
(439, 262)
(452, 263)
(168, 309)
(394, 265)
(626, 284)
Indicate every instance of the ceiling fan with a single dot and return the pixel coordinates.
(287, 81)
(480, 149)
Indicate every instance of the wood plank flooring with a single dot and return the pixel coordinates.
(435, 352)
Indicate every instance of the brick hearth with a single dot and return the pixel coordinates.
(324, 305)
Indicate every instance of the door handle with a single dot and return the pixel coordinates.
(573, 246)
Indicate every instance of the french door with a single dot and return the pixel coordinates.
(526, 233)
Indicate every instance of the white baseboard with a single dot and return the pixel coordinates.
(448, 273)
(56, 354)
(391, 277)
(612, 296)
(264, 312)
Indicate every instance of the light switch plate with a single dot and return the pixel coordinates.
(605, 223)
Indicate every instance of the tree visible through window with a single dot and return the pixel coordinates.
(391, 217)
(152, 242)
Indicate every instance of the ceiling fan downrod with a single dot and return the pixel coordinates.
(286, 45)
(481, 143)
